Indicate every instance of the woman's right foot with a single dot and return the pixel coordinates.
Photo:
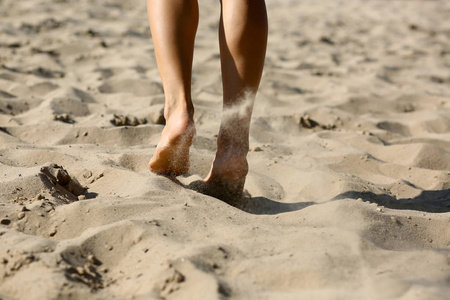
(226, 178)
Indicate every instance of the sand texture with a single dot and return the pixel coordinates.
(348, 195)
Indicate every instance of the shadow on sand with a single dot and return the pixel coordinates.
(265, 206)
(427, 201)
(247, 203)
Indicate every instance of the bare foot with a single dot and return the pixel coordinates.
(227, 176)
(172, 153)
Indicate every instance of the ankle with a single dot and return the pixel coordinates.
(179, 116)
(229, 166)
(181, 108)
(236, 144)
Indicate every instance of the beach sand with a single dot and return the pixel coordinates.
(348, 194)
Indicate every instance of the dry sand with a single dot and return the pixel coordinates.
(349, 183)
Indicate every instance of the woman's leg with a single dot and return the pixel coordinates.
(173, 25)
(243, 41)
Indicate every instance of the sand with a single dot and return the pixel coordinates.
(348, 195)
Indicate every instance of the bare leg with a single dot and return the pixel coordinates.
(243, 42)
(173, 25)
